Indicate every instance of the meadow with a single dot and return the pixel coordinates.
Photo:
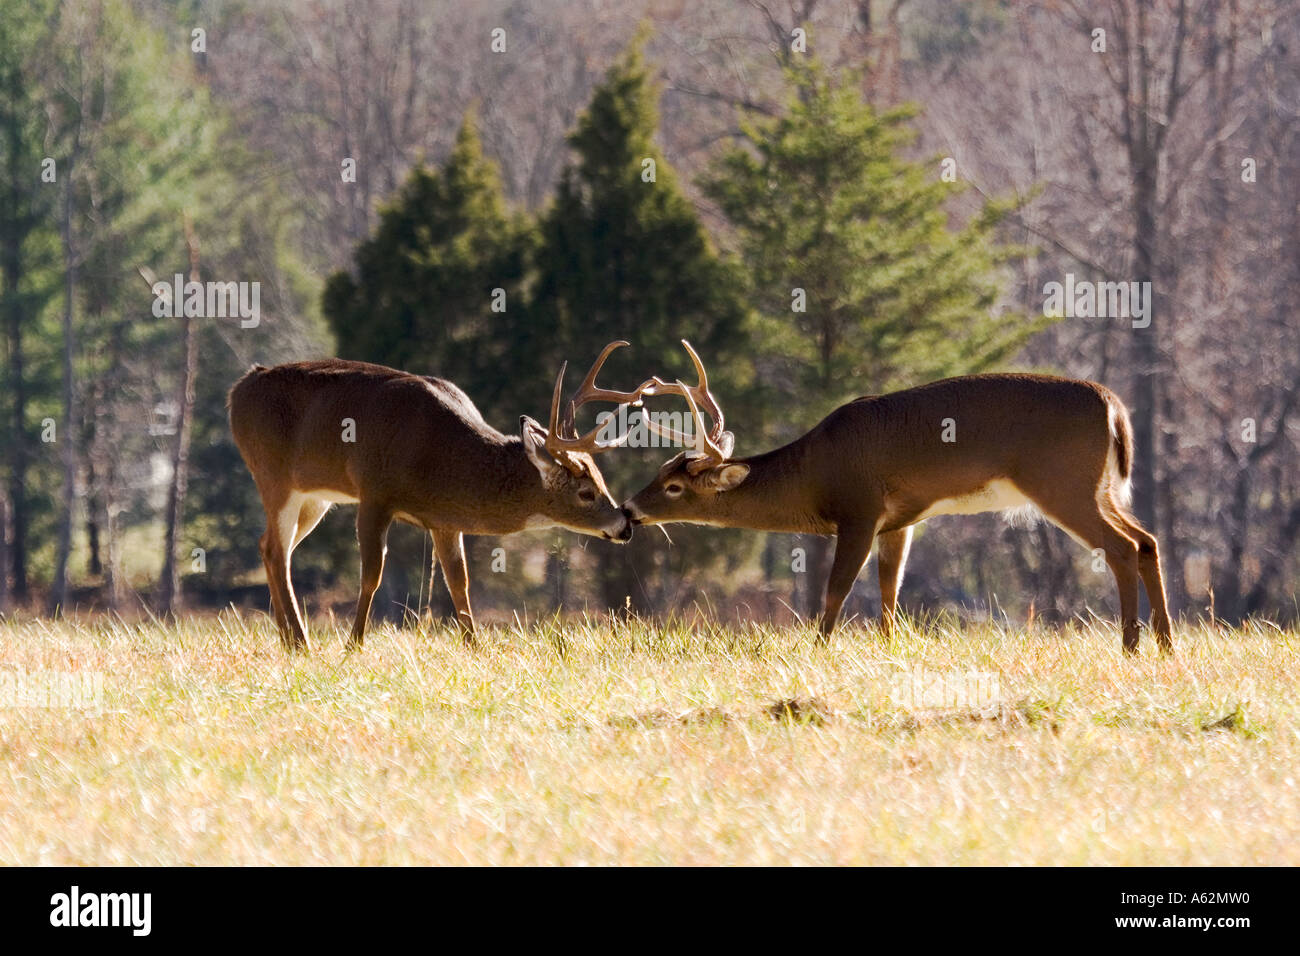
(601, 741)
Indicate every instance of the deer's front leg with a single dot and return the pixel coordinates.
(450, 547)
(852, 545)
(372, 535)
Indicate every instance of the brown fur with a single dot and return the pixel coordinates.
(423, 454)
(874, 466)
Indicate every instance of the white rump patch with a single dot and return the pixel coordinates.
(1122, 488)
(997, 495)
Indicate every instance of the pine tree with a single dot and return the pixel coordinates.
(136, 145)
(27, 256)
(141, 151)
(623, 253)
(438, 288)
(861, 282)
(623, 256)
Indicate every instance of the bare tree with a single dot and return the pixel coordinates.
(169, 584)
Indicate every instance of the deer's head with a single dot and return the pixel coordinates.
(687, 486)
(574, 491)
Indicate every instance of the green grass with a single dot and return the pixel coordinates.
(630, 743)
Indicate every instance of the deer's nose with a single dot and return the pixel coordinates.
(625, 534)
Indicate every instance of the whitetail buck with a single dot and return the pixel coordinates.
(415, 449)
(880, 464)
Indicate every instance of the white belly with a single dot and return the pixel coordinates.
(333, 497)
(997, 495)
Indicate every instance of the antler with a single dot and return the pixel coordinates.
(714, 444)
(561, 440)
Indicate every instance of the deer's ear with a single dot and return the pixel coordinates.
(534, 436)
(725, 477)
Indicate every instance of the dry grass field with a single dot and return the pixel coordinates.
(688, 743)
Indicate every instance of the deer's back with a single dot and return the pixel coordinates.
(327, 423)
(969, 430)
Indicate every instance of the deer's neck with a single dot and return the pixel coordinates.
(497, 490)
(781, 493)
(521, 494)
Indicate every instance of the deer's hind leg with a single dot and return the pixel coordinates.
(1153, 578)
(1078, 510)
(310, 513)
(372, 535)
(270, 549)
(282, 515)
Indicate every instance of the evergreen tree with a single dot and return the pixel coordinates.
(28, 280)
(862, 283)
(623, 256)
(146, 149)
(623, 253)
(438, 288)
(137, 145)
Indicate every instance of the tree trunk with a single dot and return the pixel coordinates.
(1229, 589)
(169, 585)
(105, 449)
(115, 570)
(18, 454)
(89, 410)
(1166, 529)
(94, 507)
(59, 588)
(4, 553)
(1145, 346)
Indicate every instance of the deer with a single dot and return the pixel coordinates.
(877, 466)
(415, 449)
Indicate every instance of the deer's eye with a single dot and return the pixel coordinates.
(586, 495)
(673, 490)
